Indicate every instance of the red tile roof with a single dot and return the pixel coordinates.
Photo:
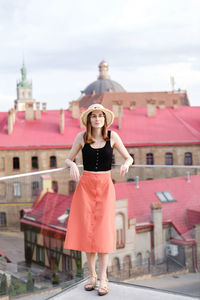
(186, 194)
(140, 98)
(4, 255)
(169, 127)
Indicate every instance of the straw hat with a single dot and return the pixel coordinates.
(109, 114)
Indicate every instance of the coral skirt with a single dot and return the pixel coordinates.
(91, 224)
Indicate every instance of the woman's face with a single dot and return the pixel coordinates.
(97, 119)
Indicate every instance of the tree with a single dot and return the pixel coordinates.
(30, 282)
(3, 285)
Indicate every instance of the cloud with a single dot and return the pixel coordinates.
(71, 37)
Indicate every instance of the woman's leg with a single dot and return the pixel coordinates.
(103, 262)
(91, 258)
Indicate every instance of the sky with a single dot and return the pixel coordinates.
(62, 42)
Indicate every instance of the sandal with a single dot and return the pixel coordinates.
(103, 286)
(91, 283)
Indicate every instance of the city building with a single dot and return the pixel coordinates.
(155, 221)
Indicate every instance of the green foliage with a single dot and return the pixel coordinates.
(55, 278)
(17, 287)
(30, 282)
(3, 285)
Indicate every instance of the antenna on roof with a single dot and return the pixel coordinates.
(137, 182)
(172, 80)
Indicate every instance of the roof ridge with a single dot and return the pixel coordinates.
(187, 126)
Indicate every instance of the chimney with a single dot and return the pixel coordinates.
(46, 186)
(115, 108)
(137, 182)
(81, 110)
(10, 122)
(151, 108)
(75, 109)
(133, 105)
(161, 104)
(120, 114)
(156, 218)
(175, 103)
(38, 114)
(62, 120)
(188, 176)
(44, 106)
(29, 111)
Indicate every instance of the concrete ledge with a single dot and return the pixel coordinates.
(119, 291)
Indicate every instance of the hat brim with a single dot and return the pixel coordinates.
(109, 115)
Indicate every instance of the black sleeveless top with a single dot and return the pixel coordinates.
(99, 159)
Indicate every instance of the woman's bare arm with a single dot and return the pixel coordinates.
(118, 144)
(76, 147)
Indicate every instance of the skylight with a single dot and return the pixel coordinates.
(165, 197)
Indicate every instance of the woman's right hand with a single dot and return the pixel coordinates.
(74, 172)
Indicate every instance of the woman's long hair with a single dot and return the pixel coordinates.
(88, 134)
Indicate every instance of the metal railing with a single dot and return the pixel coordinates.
(114, 165)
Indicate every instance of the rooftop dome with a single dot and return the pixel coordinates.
(103, 83)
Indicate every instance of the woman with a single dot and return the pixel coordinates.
(91, 224)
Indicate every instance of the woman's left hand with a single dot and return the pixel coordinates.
(124, 169)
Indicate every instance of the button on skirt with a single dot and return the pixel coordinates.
(91, 224)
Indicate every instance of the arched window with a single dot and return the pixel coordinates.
(55, 186)
(53, 162)
(168, 158)
(72, 186)
(139, 259)
(130, 179)
(120, 231)
(149, 159)
(34, 161)
(188, 158)
(16, 163)
(115, 265)
(127, 263)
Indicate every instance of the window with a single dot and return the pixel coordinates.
(130, 179)
(2, 163)
(113, 159)
(16, 163)
(165, 197)
(40, 255)
(168, 158)
(34, 162)
(133, 157)
(188, 158)
(17, 189)
(72, 186)
(55, 186)
(35, 188)
(149, 159)
(3, 219)
(120, 231)
(53, 163)
(139, 259)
